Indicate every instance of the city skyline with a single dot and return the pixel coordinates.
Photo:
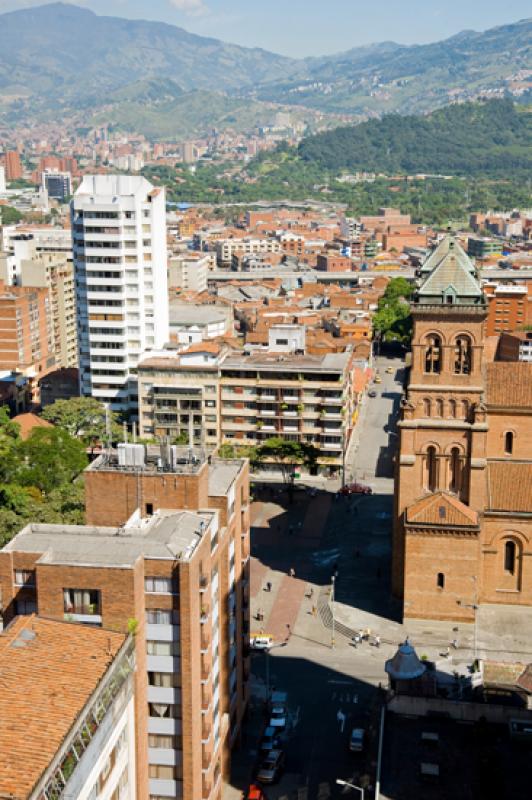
(319, 32)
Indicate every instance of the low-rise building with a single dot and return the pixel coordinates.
(190, 324)
(67, 710)
(189, 272)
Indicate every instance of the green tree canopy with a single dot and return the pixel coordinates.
(287, 455)
(82, 417)
(50, 458)
(393, 320)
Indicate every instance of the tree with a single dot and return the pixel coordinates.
(83, 418)
(393, 320)
(287, 456)
(50, 458)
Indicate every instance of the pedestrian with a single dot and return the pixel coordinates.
(292, 572)
(311, 592)
(268, 586)
(314, 611)
(377, 641)
(454, 644)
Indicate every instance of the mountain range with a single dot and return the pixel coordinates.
(61, 61)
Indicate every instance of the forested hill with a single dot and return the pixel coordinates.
(487, 138)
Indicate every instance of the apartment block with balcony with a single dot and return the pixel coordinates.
(67, 711)
(179, 394)
(120, 260)
(285, 392)
(165, 557)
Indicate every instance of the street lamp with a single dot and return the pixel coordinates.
(340, 782)
(333, 580)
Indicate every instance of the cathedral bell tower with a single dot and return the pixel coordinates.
(440, 471)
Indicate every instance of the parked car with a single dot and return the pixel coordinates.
(271, 767)
(278, 717)
(260, 641)
(356, 488)
(270, 740)
(356, 740)
(378, 379)
(389, 370)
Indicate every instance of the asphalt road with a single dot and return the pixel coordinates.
(332, 690)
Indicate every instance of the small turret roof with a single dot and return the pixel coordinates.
(449, 273)
(405, 665)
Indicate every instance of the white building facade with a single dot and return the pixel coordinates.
(120, 260)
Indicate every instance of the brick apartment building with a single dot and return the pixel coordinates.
(164, 556)
(509, 307)
(13, 165)
(67, 710)
(462, 531)
(334, 262)
(26, 342)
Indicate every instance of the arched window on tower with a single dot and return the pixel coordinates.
(440, 580)
(508, 443)
(452, 409)
(431, 469)
(455, 471)
(462, 355)
(433, 355)
(427, 407)
(509, 556)
(465, 409)
(439, 408)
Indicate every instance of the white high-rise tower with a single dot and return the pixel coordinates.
(120, 259)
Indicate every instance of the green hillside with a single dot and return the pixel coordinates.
(488, 138)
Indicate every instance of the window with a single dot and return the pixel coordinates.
(24, 577)
(439, 408)
(161, 616)
(168, 742)
(167, 680)
(162, 648)
(509, 557)
(427, 407)
(433, 355)
(81, 601)
(455, 477)
(452, 409)
(508, 443)
(158, 585)
(465, 409)
(462, 356)
(164, 710)
(431, 478)
(441, 580)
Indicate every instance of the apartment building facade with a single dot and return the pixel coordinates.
(226, 248)
(509, 307)
(67, 710)
(25, 266)
(119, 249)
(164, 556)
(26, 344)
(179, 394)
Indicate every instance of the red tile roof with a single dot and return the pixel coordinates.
(48, 672)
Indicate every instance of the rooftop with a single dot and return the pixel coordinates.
(168, 534)
(195, 315)
(221, 475)
(287, 361)
(150, 459)
(509, 383)
(49, 670)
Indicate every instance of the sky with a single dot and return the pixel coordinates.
(300, 28)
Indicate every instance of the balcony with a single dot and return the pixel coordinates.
(206, 697)
(206, 667)
(206, 730)
(205, 640)
(203, 583)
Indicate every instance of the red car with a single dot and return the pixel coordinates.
(356, 488)
(254, 793)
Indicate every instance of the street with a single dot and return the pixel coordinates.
(330, 689)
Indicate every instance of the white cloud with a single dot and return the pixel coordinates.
(194, 8)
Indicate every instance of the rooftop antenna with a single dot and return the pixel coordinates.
(124, 431)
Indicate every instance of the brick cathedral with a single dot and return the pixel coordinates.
(463, 501)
